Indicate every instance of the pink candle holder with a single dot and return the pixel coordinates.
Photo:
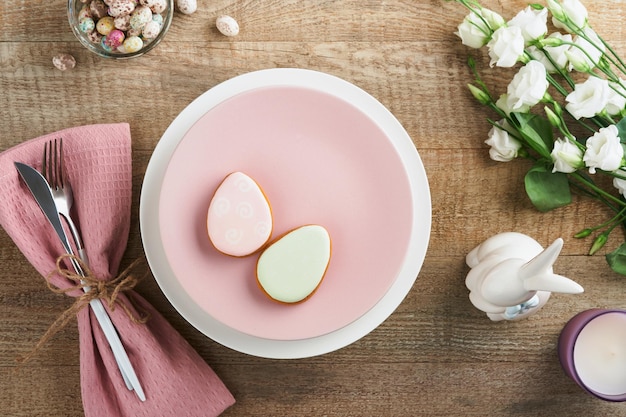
(592, 352)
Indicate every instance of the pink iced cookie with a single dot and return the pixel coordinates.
(239, 220)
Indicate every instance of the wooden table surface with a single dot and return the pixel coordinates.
(436, 354)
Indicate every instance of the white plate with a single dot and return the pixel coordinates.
(216, 329)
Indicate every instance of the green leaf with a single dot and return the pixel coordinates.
(617, 259)
(536, 130)
(547, 190)
(621, 130)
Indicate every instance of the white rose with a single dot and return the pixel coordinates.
(532, 22)
(504, 148)
(556, 58)
(604, 150)
(619, 183)
(572, 10)
(588, 98)
(583, 55)
(616, 100)
(567, 156)
(506, 46)
(477, 27)
(527, 87)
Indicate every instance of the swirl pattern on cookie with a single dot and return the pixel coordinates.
(239, 219)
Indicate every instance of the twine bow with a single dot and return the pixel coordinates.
(106, 290)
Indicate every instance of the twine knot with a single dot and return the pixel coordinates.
(93, 288)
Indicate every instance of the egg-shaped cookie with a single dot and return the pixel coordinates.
(239, 219)
(292, 267)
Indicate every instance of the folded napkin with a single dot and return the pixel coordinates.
(175, 379)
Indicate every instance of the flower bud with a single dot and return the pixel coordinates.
(599, 243)
(603, 64)
(547, 98)
(552, 117)
(493, 19)
(578, 62)
(479, 94)
(583, 233)
(557, 11)
(550, 41)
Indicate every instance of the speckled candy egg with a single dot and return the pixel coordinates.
(121, 7)
(133, 44)
(227, 25)
(140, 17)
(157, 6)
(86, 25)
(105, 25)
(98, 9)
(84, 12)
(122, 22)
(104, 45)
(115, 38)
(157, 18)
(94, 37)
(187, 6)
(151, 30)
(63, 62)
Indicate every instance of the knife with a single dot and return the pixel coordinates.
(42, 193)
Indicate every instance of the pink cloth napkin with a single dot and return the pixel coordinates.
(175, 379)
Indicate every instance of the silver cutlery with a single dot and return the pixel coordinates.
(45, 197)
(54, 173)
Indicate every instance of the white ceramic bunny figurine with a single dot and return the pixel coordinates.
(511, 276)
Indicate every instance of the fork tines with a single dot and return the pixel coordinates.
(52, 167)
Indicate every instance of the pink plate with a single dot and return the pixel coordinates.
(319, 159)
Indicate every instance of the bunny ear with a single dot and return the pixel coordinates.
(543, 262)
(552, 283)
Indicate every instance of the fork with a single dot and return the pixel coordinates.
(54, 171)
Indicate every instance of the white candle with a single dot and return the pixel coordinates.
(600, 354)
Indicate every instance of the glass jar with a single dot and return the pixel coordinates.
(120, 28)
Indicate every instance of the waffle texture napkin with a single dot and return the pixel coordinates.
(176, 380)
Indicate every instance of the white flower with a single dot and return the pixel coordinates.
(588, 98)
(506, 46)
(504, 148)
(477, 27)
(527, 87)
(532, 22)
(585, 54)
(568, 10)
(557, 58)
(604, 150)
(567, 157)
(503, 104)
(619, 183)
(616, 100)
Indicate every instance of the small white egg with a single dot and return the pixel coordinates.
(187, 6)
(227, 25)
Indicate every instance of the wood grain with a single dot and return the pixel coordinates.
(436, 355)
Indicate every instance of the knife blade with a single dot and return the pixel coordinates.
(42, 193)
